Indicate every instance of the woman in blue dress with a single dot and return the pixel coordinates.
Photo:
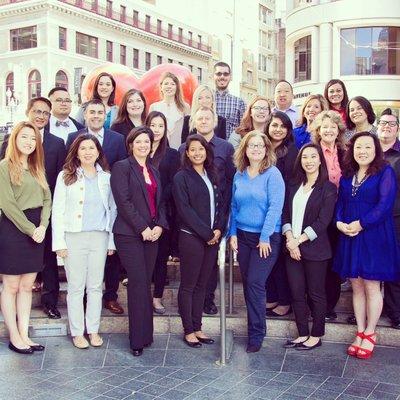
(367, 252)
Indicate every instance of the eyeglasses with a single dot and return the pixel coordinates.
(39, 113)
(259, 108)
(392, 124)
(63, 101)
(222, 73)
(256, 146)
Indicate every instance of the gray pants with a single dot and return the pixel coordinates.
(84, 267)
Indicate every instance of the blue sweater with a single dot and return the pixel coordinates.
(257, 203)
(301, 136)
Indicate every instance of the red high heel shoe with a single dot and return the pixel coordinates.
(353, 349)
(365, 352)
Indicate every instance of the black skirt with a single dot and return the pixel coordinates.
(19, 253)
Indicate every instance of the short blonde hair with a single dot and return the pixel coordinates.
(196, 105)
(336, 119)
(240, 157)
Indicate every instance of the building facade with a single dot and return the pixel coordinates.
(350, 40)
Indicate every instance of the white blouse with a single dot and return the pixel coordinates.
(299, 204)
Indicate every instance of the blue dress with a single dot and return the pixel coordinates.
(372, 254)
(301, 136)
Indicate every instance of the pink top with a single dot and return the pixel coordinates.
(332, 164)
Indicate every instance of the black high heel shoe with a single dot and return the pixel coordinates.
(137, 352)
(206, 340)
(29, 350)
(194, 345)
(37, 347)
(303, 347)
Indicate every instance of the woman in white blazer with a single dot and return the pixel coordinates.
(83, 215)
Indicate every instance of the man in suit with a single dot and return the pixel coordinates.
(60, 123)
(114, 148)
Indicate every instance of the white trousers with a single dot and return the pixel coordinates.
(84, 267)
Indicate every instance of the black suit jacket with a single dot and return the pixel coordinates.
(113, 145)
(122, 127)
(318, 215)
(77, 124)
(220, 129)
(130, 194)
(193, 205)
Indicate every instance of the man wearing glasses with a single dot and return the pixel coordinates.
(388, 134)
(61, 124)
(228, 106)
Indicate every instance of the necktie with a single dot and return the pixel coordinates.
(62, 123)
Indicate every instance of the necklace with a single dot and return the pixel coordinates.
(356, 184)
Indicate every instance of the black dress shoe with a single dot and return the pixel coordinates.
(137, 352)
(37, 347)
(253, 348)
(290, 344)
(396, 323)
(302, 346)
(29, 350)
(206, 340)
(351, 320)
(194, 345)
(272, 313)
(52, 312)
(210, 309)
(330, 316)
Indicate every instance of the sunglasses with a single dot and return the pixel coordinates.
(222, 73)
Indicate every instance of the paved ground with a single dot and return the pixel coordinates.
(170, 370)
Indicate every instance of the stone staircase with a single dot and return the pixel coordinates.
(284, 327)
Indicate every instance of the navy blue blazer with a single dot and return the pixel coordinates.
(113, 145)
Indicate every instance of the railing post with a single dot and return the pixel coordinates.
(231, 292)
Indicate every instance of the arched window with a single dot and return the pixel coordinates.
(34, 84)
(9, 87)
(61, 79)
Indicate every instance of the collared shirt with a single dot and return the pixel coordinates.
(332, 164)
(62, 131)
(231, 108)
(99, 135)
(292, 112)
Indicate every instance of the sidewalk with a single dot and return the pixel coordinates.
(171, 370)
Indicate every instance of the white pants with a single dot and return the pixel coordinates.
(84, 267)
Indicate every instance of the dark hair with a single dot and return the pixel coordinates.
(282, 149)
(95, 94)
(162, 147)
(299, 175)
(332, 82)
(32, 102)
(222, 64)
(93, 101)
(72, 163)
(285, 81)
(134, 133)
(208, 163)
(389, 111)
(56, 89)
(366, 106)
(350, 166)
(123, 115)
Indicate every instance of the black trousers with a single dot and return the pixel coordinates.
(333, 281)
(160, 269)
(392, 300)
(50, 278)
(307, 280)
(111, 277)
(138, 258)
(197, 260)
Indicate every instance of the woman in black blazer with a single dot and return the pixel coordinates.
(196, 197)
(140, 221)
(308, 211)
(167, 162)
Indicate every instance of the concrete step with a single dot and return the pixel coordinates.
(338, 331)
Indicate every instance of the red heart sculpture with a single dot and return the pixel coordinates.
(149, 83)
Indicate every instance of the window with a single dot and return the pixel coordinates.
(370, 51)
(147, 23)
(9, 87)
(302, 59)
(122, 16)
(159, 26)
(61, 79)
(250, 77)
(200, 76)
(169, 31)
(95, 5)
(135, 58)
(34, 84)
(159, 60)
(170, 60)
(86, 45)
(199, 38)
(109, 51)
(109, 5)
(190, 37)
(148, 61)
(191, 68)
(62, 38)
(23, 38)
(122, 54)
(265, 15)
(135, 18)
(262, 38)
(180, 34)
(180, 62)
(262, 63)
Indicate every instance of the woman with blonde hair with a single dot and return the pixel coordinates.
(312, 106)
(255, 118)
(257, 200)
(25, 203)
(203, 96)
(172, 106)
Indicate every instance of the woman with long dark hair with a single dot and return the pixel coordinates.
(25, 203)
(360, 117)
(82, 219)
(367, 252)
(309, 205)
(335, 93)
(197, 200)
(166, 160)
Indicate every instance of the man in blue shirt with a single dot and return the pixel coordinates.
(284, 101)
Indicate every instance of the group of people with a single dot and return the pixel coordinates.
(307, 200)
